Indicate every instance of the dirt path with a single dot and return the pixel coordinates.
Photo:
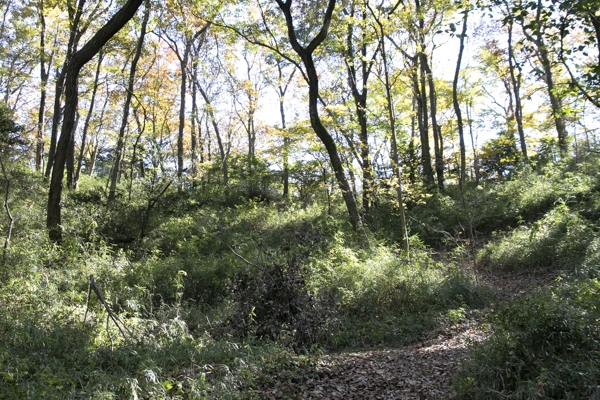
(421, 371)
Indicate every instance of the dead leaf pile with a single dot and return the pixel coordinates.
(422, 370)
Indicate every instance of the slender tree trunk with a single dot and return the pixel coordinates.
(286, 150)
(435, 127)
(394, 141)
(96, 140)
(193, 121)
(475, 155)
(281, 91)
(412, 151)
(74, 37)
(183, 63)
(544, 57)
(44, 72)
(360, 102)
(118, 157)
(88, 117)
(423, 122)
(141, 127)
(182, 92)
(459, 120)
(222, 151)
(516, 87)
(79, 59)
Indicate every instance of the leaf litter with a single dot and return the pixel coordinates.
(423, 370)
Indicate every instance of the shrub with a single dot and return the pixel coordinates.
(543, 346)
(558, 240)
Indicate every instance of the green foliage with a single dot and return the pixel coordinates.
(544, 346)
(385, 299)
(9, 130)
(558, 240)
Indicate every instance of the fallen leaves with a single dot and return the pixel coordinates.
(418, 371)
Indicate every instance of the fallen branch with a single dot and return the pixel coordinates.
(110, 314)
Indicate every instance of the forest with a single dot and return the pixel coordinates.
(300, 199)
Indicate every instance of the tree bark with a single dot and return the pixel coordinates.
(86, 125)
(78, 60)
(60, 82)
(544, 57)
(459, 120)
(306, 55)
(116, 169)
(516, 87)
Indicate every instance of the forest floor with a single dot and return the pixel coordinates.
(422, 370)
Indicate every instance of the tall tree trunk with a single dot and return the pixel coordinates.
(286, 149)
(306, 55)
(423, 121)
(435, 127)
(96, 139)
(141, 127)
(281, 92)
(88, 117)
(360, 102)
(543, 55)
(394, 141)
(183, 64)
(459, 120)
(118, 157)
(412, 151)
(79, 59)
(516, 86)
(193, 126)
(44, 72)
(222, 151)
(475, 155)
(74, 36)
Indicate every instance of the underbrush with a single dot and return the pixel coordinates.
(208, 303)
(558, 240)
(544, 346)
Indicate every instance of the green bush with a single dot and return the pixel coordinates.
(543, 346)
(558, 240)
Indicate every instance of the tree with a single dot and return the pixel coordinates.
(516, 79)
(456, 104)
(536, 31)
(394, 142)
(359, 65)
(77, 29)
(116, 169)
(46, 61)
(305, 52)
(75, 63)
(183, 30)
(281, 86)
(88, 118)
(579, 28)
